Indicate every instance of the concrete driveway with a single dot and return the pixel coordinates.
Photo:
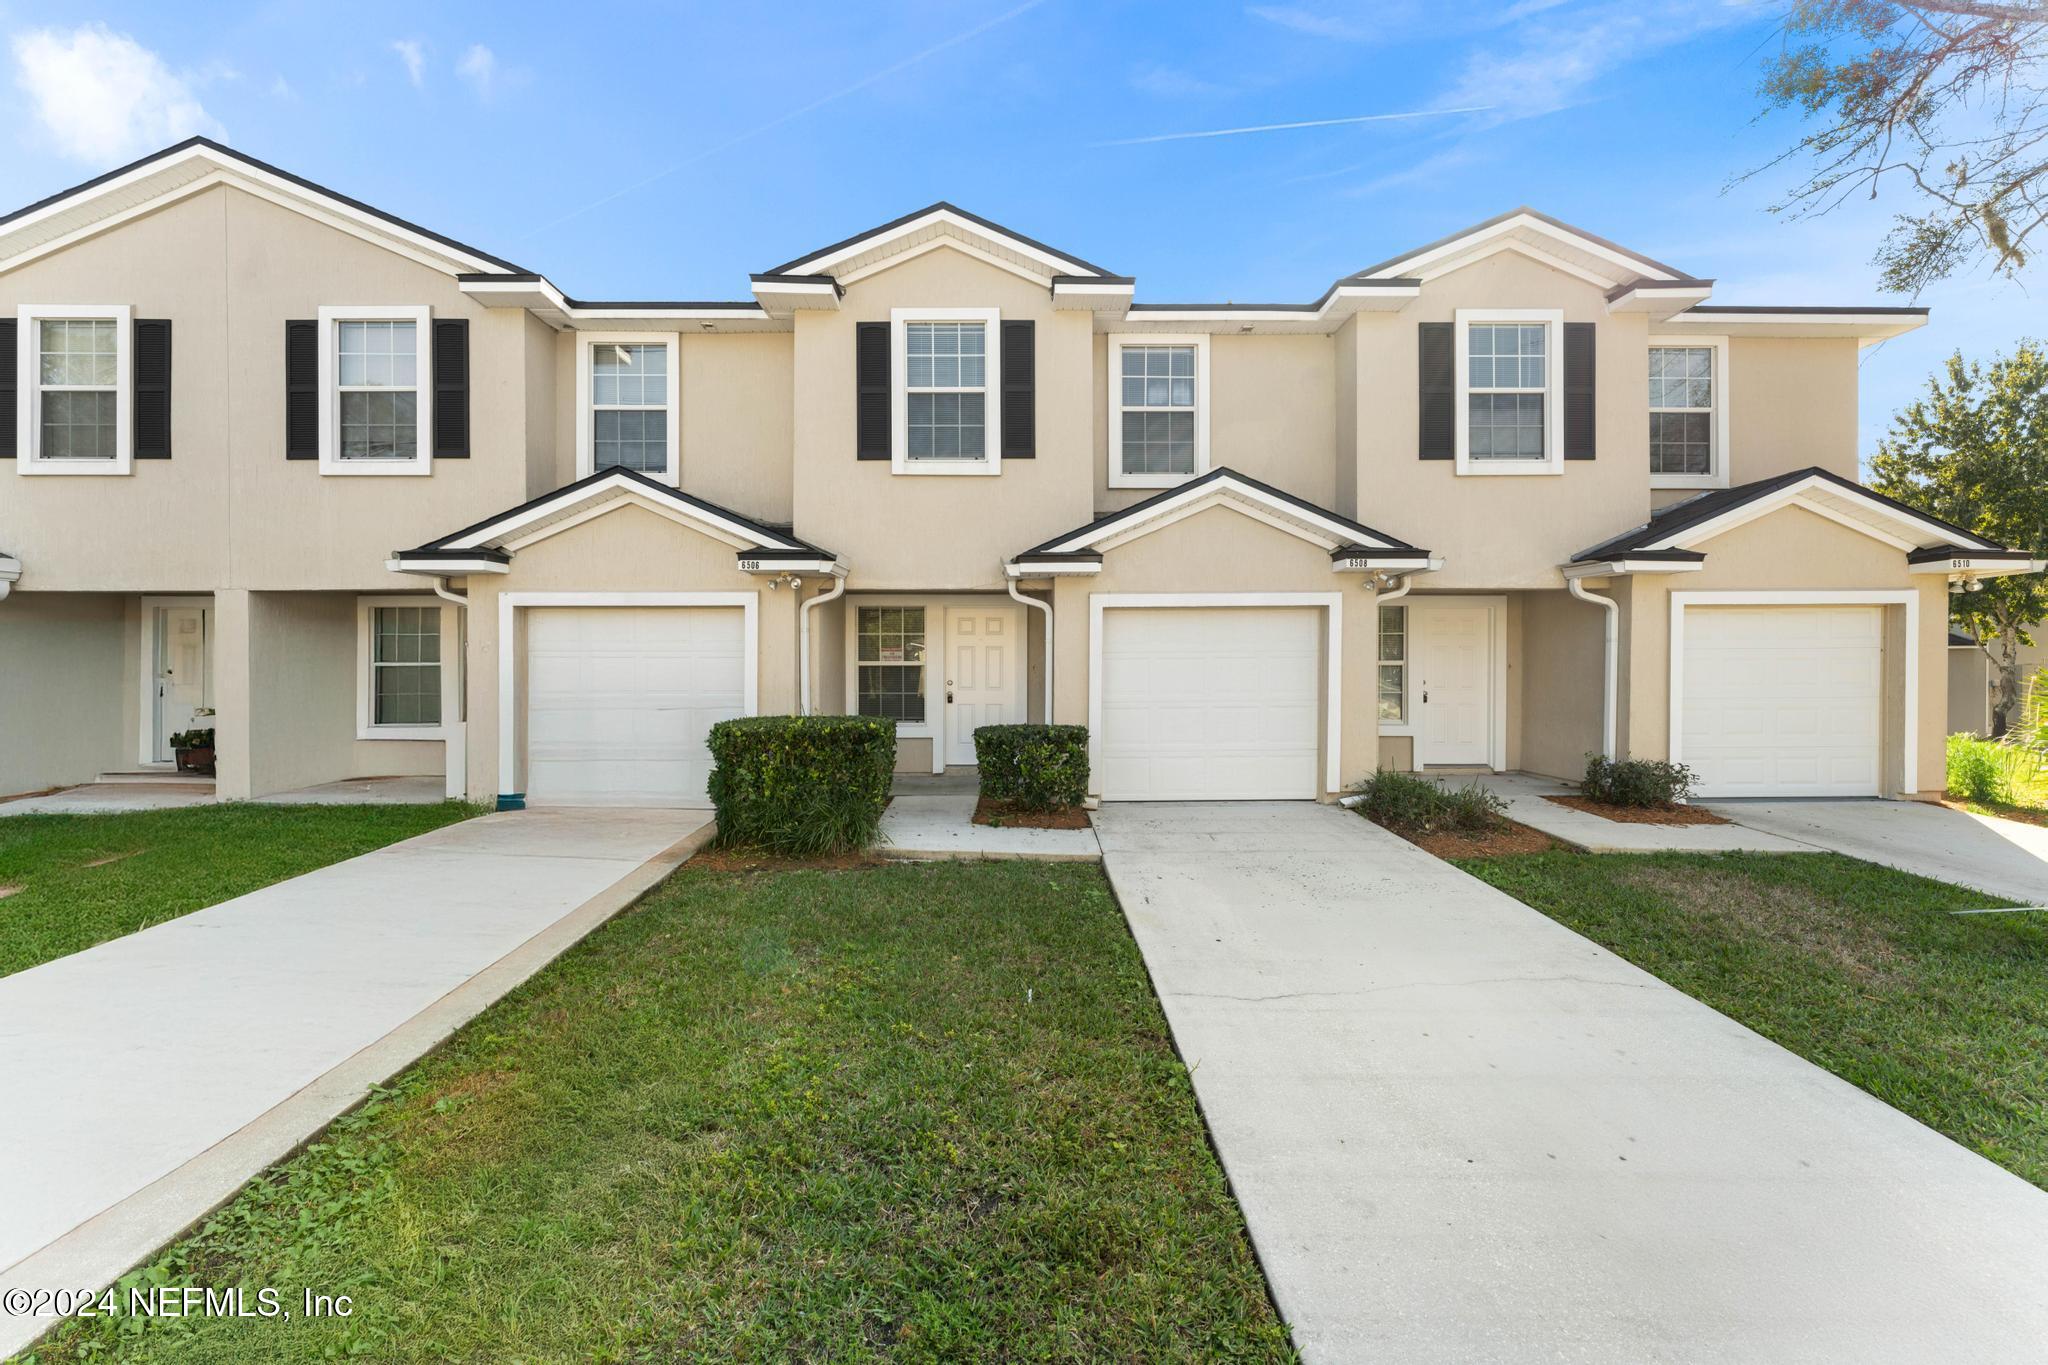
(1461, 1132)
(2003, 857)
(144, 1080)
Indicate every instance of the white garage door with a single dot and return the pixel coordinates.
(1210, 704)
(619, 700)
(1784, 701)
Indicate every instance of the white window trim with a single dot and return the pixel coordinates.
(451, 672)
(1406, 724)
(586, 438)
(511, 726)
(991, 461)
(28, 428)
(422, 461)
(1332, 604)
(1553, 391)
(1497, 635)
(934, 643)
(1717, 474)
(1908, 599)
(1114, 377)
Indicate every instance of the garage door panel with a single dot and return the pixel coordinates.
(1210, 704)
(621, 700)
(1784, 701)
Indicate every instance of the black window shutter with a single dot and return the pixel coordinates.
(451, 388)
(1578, 391)
(1020, 390)
(871, 377)
(151, 363)
(8, 396)
(1437, 365)
(302, 390)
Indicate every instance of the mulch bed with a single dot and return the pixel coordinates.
(1505, 842)
(1005, 815)
(760, 860)
(1642, 815)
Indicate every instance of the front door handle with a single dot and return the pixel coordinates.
(949, 699)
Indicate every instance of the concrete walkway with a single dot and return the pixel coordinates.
(1527, 804)
(114, 798)
(1461, 1132)
(146, 1079)
(943, 827)
(2004, 857)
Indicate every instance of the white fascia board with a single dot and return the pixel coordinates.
(1344, 301)
(1026, 567)
(1130, 528)
(444, 568)
(1388, 561)
(1460, 245)
(822, 264)
(540, 295)
(1970, 566)
(809, 295)
(816, 564)
(1920, 532)
(612, 486)
(1658, 303)
(1623, 566)
(1864, 327)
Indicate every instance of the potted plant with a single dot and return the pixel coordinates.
(195, 751)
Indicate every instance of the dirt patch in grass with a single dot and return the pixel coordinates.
(1507, 841)
(741, 859)
(1785, 915)
(9, 888)
(2026, 815)
(1642, 815)
(1006, 814)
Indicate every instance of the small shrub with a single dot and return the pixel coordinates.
(802, 786)
(1984, 770)
(1035, 767)
(1635, 781)
(1421, 805)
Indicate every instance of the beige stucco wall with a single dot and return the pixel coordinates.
(228, 509)
(62, 658)
(627, 550)
(1792, 404)
(938, 532)
(1969, 691)
(1216, 551)
(1563, 680)
(1785, 551)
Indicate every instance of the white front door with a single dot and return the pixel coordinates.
(619, 701)
(984, 656)
(180, 683)
(1453, 690)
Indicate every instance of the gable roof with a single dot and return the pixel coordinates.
(497, 538)
(197, 164)
(1536, 234)
(1338, 534)
(931, 220)
(1673, 531)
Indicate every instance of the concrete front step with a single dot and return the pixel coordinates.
(163, 774)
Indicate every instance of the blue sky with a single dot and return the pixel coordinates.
(665, 150)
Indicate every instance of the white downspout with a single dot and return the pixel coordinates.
(1611, 682)
(455, 732)
(803, 640)
(1045, 607)
(1407, 582)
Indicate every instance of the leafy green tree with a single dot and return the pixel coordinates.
(1942, 101)
(1974, 451)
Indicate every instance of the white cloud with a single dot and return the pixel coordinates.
(102, 96)
(1172, 83)
(1307, 21)
(1551, 62)
(413, 53)
(282, 89)
(479, 66)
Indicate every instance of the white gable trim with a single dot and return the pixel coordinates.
(1526, 250)
(965, 248)
(1910, 532)
(822, 263)
(607, 495)
(1240, 497)
(1420, 263)
(242, 175)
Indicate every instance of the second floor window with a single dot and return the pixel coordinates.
(1506, 385)
(629, 407)
(1689, 412)
(946, 389)
(377, 378)
(75, 389)
(1158, 419)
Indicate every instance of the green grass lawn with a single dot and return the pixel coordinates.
(1858, 968)
(70, 881)
(916, 1112)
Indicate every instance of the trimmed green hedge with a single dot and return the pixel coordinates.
(1644, 782)
(1038, 767)
(801, 785)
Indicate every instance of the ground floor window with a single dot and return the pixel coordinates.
(401, 661)
(1393, 663)
(890, 661)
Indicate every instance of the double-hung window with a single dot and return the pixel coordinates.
(1158, 410)
(1509, 392)
(76, 390)
(889, 663)
(1688, 413)
(946, 408)
(1393, 664)
(377, 391)
(400, 661)
(626, 385)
